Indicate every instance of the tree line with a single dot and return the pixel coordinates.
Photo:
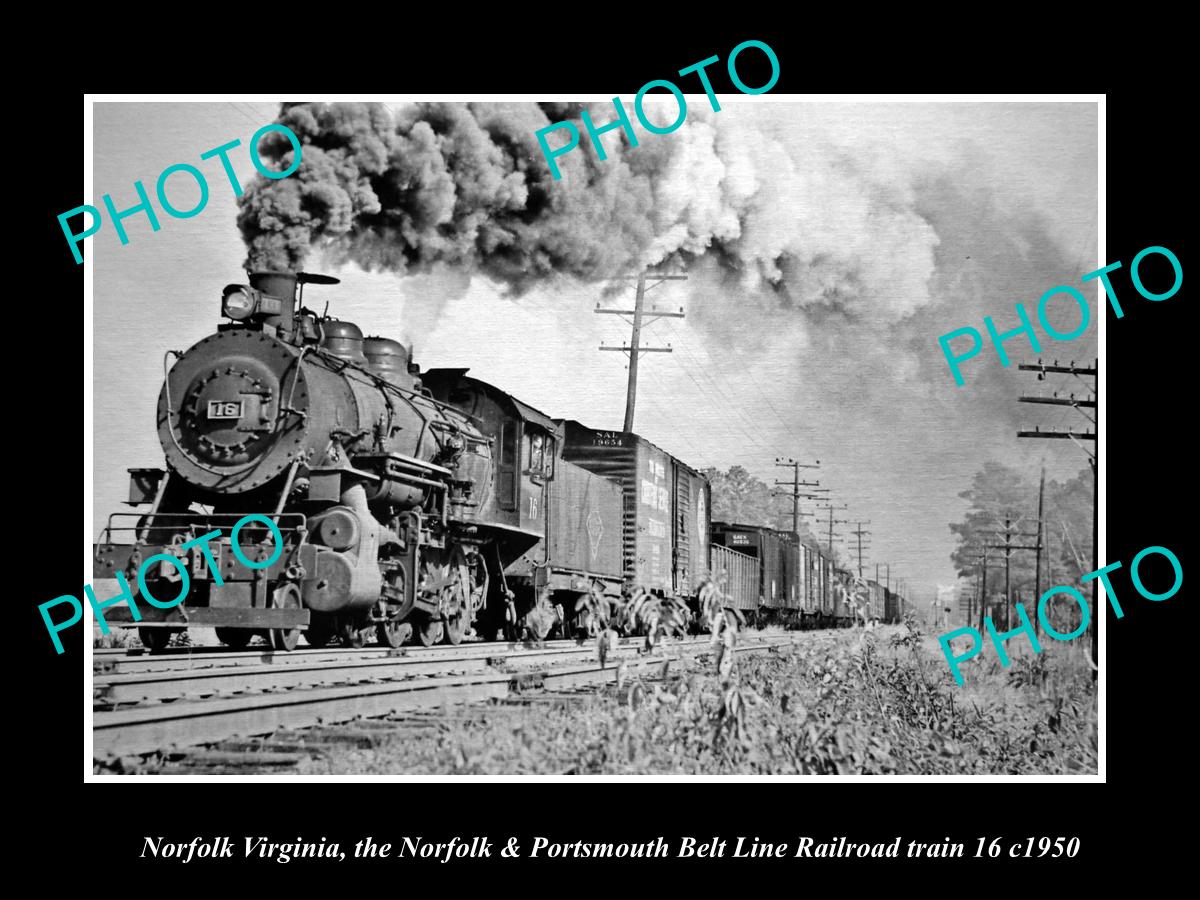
(999, 493)
(738, 496)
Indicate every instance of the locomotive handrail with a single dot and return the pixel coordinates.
(286, 409)
(167, 386)
(404, 461)
(188, 520)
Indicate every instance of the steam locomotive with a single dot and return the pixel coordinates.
(430, 506)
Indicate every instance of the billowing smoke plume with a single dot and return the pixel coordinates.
(466, 185)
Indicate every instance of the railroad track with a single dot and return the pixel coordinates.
(247, 674)
(177, 708)
(125, 661)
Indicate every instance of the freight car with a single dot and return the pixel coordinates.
(817, 610)
(791, 581)
(771, 599)
(877, 607)
(665, 529)
(891, 606)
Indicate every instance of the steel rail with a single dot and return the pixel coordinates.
(131, 653)
(169, 685)
(164, 662)
(147, 729)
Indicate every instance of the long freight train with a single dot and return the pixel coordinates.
(421, 505)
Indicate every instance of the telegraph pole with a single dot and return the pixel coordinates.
(1037, 566)
(1079, 404)
(833, 521)
(1008, 547)
(860, 532)
(983, 595)
(635, 348)
(796, 484)
(981, 560)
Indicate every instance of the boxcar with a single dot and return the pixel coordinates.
(813, 597)
(789, 548)
(892, 606)
(666, 503)
(817, 579)
(874, 600)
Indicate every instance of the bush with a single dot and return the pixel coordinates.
(844, 702)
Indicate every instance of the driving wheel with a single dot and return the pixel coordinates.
(392, 633)
(429, 631)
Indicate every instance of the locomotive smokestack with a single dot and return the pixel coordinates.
(281, 286)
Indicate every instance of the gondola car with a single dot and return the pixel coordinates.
(795, 581)
(738, 576)
(778, 563)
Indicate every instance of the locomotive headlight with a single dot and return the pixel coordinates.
(238, 302)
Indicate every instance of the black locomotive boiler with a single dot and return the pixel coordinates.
(382, 494)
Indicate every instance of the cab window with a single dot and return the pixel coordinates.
(536, 451)
(506, 465)
(541, 454)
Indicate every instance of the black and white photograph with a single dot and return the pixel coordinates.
(536, 449)
(681, 435)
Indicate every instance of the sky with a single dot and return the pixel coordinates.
(853, 235)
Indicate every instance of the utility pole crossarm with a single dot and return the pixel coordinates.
(645, 314)
(795, 484)
(1062, 370)
(1059, 401)
(635, 349)
(1038, 433)
(625, 349)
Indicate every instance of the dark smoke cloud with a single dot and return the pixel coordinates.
(467, 185)
(464, 185)
(839, 238)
